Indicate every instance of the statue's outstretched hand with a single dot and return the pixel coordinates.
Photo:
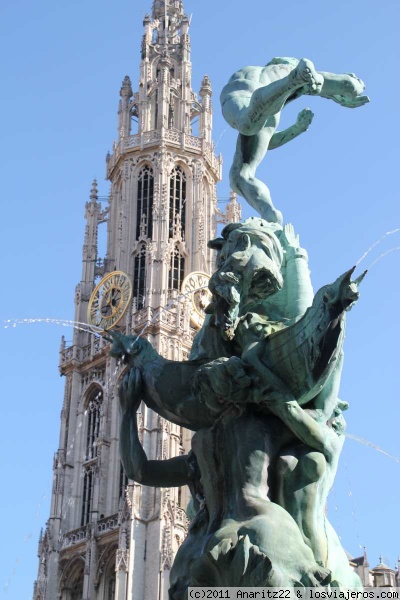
(351, 101)
(130, 391)
(290, 241)
(304, 119)
(346, 89)
(289, 238)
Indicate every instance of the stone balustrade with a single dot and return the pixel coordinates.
(77, 354)
(77, 536)
(173, 137)
(107, 524)
(74, 537)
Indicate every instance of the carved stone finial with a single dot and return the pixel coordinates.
(63, 343)
(233, 209)
(206, 89)
(94, 192)
(126, 88)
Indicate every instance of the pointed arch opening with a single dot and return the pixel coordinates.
(154, 110)
(177, 269)
(139, 278)
(134, 120)
(93, 415)
(106, 573)
(87, 496)
(172, 111)
(77, 590)
(72, 580)
(110, 593)
(177, 202)
(195, 113)
(123, 482)
(145, 199)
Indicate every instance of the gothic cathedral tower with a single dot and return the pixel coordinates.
(109, 538)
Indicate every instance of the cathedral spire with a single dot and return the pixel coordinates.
(164, 8)
(162, 211)
(169, 22)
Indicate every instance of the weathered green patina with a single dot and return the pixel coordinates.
(260, 390)
(252, 102)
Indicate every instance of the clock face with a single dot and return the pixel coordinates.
(110, 300)
(195, 288)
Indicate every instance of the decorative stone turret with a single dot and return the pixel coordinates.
(206, 112)
(383, 575)
(125, 107)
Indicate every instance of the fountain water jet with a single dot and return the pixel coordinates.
(356, 438)
(376, 244)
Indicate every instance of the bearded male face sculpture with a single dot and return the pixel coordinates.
(249, 264)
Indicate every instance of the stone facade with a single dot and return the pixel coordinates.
(108, 538)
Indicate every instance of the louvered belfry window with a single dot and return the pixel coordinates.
(139, 278)
(177, 270)
(177, 202)
(93, 424)
(87, 497)
(145, 198)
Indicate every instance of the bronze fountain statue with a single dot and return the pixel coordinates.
(260, 390)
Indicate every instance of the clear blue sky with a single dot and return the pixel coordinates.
(63, 63)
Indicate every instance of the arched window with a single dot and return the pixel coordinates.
(77, 590)
(139, 278)
(87, 496)
(72, 580)
(134, 120)
(123, 482)
(155, 110)
(111, 588)
(177, 201)
(145, 197)
(177, 269)
(171, 113)
(93, 414)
